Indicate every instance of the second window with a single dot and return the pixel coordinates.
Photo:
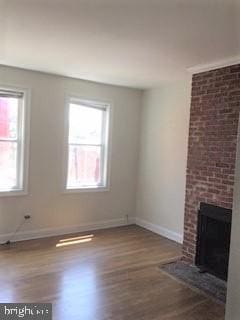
(87, 144)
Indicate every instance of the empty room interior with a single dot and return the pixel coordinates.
(119, 159)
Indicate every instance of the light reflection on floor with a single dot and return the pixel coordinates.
(68, 243)
(75, 240)
(78, 293)
(6, 294)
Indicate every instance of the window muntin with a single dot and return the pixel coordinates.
(87, 144)
(11, 141)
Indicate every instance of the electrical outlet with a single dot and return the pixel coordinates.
(27, 216)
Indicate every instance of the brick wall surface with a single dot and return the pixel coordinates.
(212, 145)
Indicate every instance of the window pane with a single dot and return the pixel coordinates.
(84, 166)
(8, 165)
(8, 118)
(85, 125)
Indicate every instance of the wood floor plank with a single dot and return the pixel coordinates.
(114, 275)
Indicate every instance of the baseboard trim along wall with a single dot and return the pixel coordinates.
(177, 237)
(49, 232)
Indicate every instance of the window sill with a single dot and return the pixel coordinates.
(13, 193)
(86, 189)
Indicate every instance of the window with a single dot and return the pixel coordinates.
(88, 124)
(12, 141)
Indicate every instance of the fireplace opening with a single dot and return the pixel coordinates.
(213, 239)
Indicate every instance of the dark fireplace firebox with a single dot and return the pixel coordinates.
(213, 239)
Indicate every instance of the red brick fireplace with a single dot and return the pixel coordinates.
(212, 145)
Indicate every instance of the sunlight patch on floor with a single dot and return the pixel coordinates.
(74, 240)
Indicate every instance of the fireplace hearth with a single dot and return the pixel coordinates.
(213, 239)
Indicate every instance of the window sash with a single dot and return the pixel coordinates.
(83, 104)
(93, 185)
(13, 187)
(102, 159)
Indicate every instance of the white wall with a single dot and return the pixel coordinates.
(163, 159)
(233, 296)
(46, 203)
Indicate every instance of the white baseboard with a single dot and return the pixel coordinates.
(49, 232)
(172, 235)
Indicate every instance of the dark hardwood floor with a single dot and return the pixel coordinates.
(110, 274)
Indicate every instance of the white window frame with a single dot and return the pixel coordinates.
(22, 141)
(105, 169)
